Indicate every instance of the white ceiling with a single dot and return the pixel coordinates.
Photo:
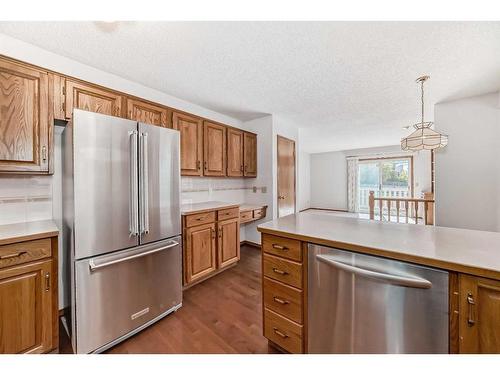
(349, 84)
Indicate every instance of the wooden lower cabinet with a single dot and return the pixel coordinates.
(211, 243)
(479, 315)
(228, 242)
(200, 254)
(28, 297)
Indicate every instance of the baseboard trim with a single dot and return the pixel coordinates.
(325, 209)
(250, 243)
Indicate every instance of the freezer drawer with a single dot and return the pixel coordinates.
(365, 304)
(119, 293)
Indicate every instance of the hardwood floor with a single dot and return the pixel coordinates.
(220, 315)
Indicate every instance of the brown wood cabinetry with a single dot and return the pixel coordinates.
(191, 129)
(479, 315)
(211, 243)
(200, 252)
(148, 113)
(284, 292)
(250, 154)
(91, 98)
(214, 149)
(228, 242)
(234, 152)
(25, 135)
(28, 297)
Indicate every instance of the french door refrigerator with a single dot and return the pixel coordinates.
(121, 204)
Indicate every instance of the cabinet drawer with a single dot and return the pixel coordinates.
(258, 214)
(246, 216)
(24, 252)
(228, 213)
(283, 332)
(283, 247)
(283, 270)
(198, 219)
(283, 299)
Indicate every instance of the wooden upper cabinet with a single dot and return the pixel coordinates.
(479, 315)
(250, 154)
(228, 242)
(26, 308)
(191, 129)
(147, 113)
(91, 98)
(214, 149)
(234, 152)
(24, 118)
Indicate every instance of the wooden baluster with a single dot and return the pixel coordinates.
(430, 213)
(380, 202)
(371, 204)
(426, 206)
(416, 212)
(388, 210)
(406, 211)
(397, 211)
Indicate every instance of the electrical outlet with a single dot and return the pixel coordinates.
(264, 189)
(254, 189)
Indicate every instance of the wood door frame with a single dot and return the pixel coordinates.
(278, 175)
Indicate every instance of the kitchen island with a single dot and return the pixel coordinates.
(471, 260)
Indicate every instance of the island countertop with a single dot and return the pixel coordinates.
(462, 250)
(32, 230)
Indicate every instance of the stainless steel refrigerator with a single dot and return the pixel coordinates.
(122, 229)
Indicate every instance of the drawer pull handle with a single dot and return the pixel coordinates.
(470, 301)
(279, 333)
(279, 247)
(201, 218)
(281, 301)
(279, 272)
(13, 255)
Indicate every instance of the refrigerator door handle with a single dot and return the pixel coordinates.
(133, 202)
(412, 282)
(94, 266)
(144, 183)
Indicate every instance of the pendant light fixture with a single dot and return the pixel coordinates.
(423, 138)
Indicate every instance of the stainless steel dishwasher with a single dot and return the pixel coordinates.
(365, 304)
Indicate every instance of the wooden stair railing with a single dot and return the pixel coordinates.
(409, 204)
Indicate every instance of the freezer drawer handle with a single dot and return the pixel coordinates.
(413, 282)
(94, 266)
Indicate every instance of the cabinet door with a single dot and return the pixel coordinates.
(24, 119)
(250, 155)
(214, 149)
(228, 242)
(479, 314)
(147, 113)
(91, 98)
(191, 129)
(26, 308)
(234, 152)
(200, 257)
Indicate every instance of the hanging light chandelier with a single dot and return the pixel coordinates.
(423, 138)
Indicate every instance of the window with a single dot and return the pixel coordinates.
(387, 177)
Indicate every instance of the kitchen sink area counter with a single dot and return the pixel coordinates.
(196, 208)
(317, 269)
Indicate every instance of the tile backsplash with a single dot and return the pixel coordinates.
(202, 189)
(25, 198)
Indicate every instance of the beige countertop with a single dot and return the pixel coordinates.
(468, 251)
(251, 207)
(32, 230)
(194, 208)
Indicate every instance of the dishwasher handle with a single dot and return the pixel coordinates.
(412, 282)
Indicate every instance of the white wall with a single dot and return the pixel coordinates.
(468, 169)
(329, 174)
(263, 127)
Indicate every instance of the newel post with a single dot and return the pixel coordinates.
(371, 204)
(430, 211)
